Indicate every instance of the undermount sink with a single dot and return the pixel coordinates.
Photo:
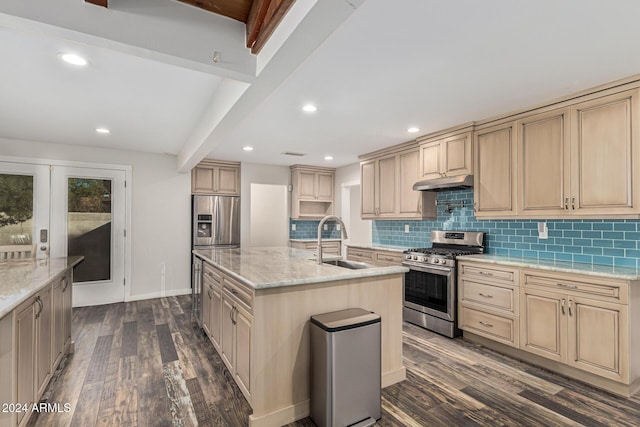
(352, 265)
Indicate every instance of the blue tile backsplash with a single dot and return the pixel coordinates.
(306, 229)
(609, 242)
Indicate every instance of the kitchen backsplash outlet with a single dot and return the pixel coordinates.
(608, 242)
(305, 229)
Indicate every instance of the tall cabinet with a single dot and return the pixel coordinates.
(216, 177)
(312, 191)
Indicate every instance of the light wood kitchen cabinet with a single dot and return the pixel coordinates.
(206, 307)
(212, 303)
(360, 254)
(387, 179)
(61, 316)
(312, 192)
(375, 256)
(216, 177)
(605, 155)
(331, 247)
(6, 366)
(25, 329)
(446, 155)
(495, 177)
(488, 301)
(578, 321)
(544, 163)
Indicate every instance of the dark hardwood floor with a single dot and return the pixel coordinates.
(146, 363)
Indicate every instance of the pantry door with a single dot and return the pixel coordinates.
(24, 210)
(88, 208)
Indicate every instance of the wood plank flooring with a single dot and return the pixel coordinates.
(146, 363)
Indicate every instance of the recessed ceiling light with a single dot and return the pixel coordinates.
(247, 148)
(73, 59)
(310, 108)
(413, 129)
(102, 130)
(328, 157)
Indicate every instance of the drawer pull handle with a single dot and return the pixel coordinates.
(389, 259)
(233, 291)
(486, 273)
(488, 325)
(562, 285)
(562, 306)
(485, 295)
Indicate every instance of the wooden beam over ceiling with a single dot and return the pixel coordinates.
(235, 9)
(264, 17)
(103, 3)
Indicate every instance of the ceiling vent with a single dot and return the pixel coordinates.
(290, 153)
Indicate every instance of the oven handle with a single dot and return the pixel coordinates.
(435, 270)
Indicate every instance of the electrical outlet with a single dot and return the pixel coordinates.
(543, 231)
(326, 227)
(293, 227)
(338, 227)
(406, 228)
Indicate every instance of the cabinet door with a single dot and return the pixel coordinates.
(25, 354)
(207, 297)
(202, 180)
(243, 349)
(227, 339)
(409, 174)
(324, 190)
(6, 367)
(604, 150)
(494, 190)
(598, 340)
(43, 340)
(544, 163)
(227, 180)
(67, 308)
(367, 189)
(456, 155)
(306, 185)
(430, 160)
(543, 323)
(386, 181)
(215, 316)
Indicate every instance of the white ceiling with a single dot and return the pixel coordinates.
(390, 65)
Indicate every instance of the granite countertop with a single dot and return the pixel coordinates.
(378, 247)
(19, 280)
(625, 273)
(315, 240)
(274, 267)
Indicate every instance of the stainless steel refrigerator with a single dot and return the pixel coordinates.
(215, 223)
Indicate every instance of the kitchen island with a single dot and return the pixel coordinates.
(256, 310)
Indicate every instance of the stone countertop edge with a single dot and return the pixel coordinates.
(315, 240)
(599, 270)
(331, 276)
(378, 247)
(8, 303)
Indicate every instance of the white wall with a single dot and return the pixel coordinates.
(344, 175)
(161, 212)
(359, 230)
(254, 173)
(269, 215)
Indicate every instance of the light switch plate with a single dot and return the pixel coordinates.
(406, 228)
(338, 227)
(293, 227)
(326, 227)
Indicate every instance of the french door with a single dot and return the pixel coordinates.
(62, 211)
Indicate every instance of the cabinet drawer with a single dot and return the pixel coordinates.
(490, 273)
(388, 258)
(241, 292)
(359, 254)
(579, 285)
(498, 328)
(489, 295)
(211, 275)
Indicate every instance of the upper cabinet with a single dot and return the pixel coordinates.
(387, 179)
(495, 171)
(216, 177)
(446, 155)
(312, 192)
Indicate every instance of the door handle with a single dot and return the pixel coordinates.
(570, 313)
(562, 306)
(39, 301)
(573, 203)
(566, 203)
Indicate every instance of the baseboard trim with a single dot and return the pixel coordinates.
(282, 416)
(159, 294)
(395, 376)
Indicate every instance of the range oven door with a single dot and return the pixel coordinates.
(430, 290)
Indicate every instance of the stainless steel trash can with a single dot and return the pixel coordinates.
(346, 368)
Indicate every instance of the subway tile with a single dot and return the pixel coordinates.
(605, 260)
(632, 235)
(564, 226)
(530, 254)
(515, 252)
(570, 233)
(613, 235)
(601, 243)
(582, 242)
(572, 249)
(583, 258)
(625, 262)
(592, 234)
(592, 251)
(546, 255)
(564, 242)
(626, 244)
(624, 226)
(563, 257)
(632, 253)
(582, 226)
(606, 226)
(613, 252)
(525, 246)
(538, 247)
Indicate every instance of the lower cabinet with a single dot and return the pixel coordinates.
(61, 317)
(228, 309)
(584, 324)
(331, 247)
(374, 256)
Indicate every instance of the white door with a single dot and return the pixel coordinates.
(88, 219)
(24, 210)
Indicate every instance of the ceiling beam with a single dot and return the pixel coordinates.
(264, 17)
(103, 3)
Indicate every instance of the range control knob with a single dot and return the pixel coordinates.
(436, 261)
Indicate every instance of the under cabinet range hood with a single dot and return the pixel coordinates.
(445, 183)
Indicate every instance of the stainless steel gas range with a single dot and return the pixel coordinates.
(430, 285)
